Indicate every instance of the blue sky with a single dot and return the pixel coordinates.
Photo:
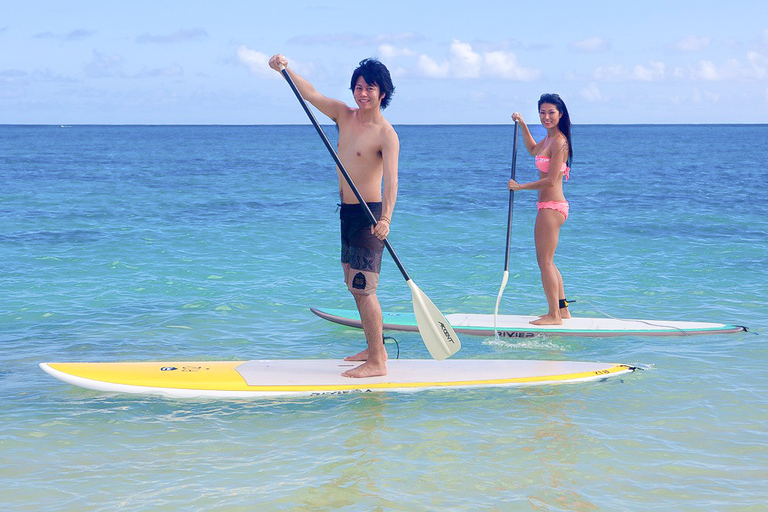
(194, 62)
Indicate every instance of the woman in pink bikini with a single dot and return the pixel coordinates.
(553, 158)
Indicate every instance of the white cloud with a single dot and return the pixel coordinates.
(704, 97)
(613, 73)
(397, 72)
(591, 45)
(257, 62)
(432, 69)
(758, 64)
(104, 65)
(12, 74)
(754, 67)
(706, 71)
(387, 51)
(74, 35)
(506, 65)
(592, 93)
(692, 44)
(651, 73)
(463, 62)
(47, 75)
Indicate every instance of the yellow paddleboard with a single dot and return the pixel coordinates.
(281, 377)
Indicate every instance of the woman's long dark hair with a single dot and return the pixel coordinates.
(565, 119)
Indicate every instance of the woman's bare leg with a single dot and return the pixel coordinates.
(547, 235)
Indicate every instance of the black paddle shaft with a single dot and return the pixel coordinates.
(344, 172)
(511, 200)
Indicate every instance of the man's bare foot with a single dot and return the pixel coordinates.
(360, 356)
(547, 320)
(367, 369)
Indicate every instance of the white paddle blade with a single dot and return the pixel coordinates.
(437, 333)
(498, 301)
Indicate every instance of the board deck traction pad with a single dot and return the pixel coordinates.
(320, 376)
(518, 326)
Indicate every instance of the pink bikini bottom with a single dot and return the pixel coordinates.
(560, 206)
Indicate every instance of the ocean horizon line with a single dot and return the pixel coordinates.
(69, 125)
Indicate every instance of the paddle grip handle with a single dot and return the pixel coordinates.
(344, 172)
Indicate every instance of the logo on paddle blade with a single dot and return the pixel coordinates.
(168, 368)
(446, 333)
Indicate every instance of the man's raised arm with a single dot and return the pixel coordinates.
(328, 106)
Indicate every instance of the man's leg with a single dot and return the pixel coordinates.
(375, 356)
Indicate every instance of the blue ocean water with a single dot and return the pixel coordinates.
(212, 242)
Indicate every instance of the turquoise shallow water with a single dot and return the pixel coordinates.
(161, 243)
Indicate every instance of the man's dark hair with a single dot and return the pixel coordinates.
(375, 73)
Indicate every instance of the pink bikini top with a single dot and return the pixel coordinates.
(542, 164)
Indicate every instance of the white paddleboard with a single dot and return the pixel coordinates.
(517, 326)
(267, 378)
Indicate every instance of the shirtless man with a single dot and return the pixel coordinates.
(369, 149)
